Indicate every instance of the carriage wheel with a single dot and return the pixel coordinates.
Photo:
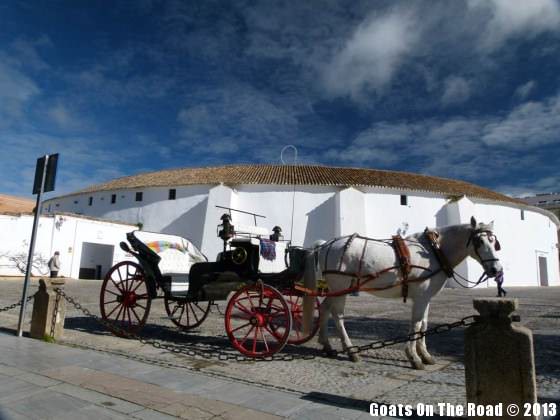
(297, 334)
(185, 314)
(258, 321)
(124, 300)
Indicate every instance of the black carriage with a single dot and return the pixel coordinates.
(257, 270)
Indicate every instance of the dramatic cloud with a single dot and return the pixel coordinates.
(462, 147)
(370, 58)
(456, 91)
(529, 125)
(509, 19)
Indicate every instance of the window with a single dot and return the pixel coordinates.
(139, 196)
(522, 214)
(404, 200)
(90, 201)
(57, 205)
(172, 193)
(75, 201)
(113, 198)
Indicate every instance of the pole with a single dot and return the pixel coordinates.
(31, 251)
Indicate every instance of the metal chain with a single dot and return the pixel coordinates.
(15, 305)
(465, 322)
(225, 356)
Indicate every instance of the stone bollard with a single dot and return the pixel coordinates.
(47, 320)
(499, 358)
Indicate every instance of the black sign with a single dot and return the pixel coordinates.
(50, 176)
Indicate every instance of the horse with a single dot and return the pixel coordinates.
(373, 265)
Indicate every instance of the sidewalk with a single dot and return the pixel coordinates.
(39, 380)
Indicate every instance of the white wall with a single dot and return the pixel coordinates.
(323, 213)
(521, 240)
(385, 215)
(156, 212)
(56, 233)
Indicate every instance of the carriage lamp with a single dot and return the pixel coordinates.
(277, 235)
(226, 229)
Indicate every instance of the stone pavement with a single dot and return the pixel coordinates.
(39, 380)
(332, 387)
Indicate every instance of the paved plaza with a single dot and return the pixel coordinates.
(90, 365)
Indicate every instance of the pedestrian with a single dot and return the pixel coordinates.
(54, 264)
(499, 279)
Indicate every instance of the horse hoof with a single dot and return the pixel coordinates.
(429, 360)
(416, 362)
(354, 357)
(417, 365)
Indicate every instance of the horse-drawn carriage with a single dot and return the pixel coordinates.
(266, 310)
(261, 270)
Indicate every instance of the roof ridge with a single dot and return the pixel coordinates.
(298, 174)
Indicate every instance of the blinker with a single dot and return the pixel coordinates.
(497, 245)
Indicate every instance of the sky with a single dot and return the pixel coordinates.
(464, 89)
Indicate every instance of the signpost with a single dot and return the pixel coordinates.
(45, 175)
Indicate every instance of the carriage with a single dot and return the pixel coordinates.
(258, 269)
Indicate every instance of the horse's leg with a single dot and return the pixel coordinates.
(418, 310)
(324, 316)
(337, 310)
(421, 348)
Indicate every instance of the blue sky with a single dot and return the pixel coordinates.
(465, 89)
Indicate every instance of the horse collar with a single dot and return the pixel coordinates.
(433, 240)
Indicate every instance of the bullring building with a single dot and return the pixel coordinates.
(321, 202)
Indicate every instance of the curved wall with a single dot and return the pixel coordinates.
(325, 212)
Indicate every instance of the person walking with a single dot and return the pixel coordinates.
(499, 279)
(54, 264)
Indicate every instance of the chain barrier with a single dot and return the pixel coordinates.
(225, 356)
(15, 305)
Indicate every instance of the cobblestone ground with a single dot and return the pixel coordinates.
(383, 375)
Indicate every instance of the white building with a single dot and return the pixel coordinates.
(88, 247)
(325, 202)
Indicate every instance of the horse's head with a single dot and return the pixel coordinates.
(483, 247)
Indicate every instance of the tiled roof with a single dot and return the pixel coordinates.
(299, 175)
(10, 204)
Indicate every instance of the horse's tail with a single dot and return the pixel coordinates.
(312, 273)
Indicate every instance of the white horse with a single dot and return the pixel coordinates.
(342, 262)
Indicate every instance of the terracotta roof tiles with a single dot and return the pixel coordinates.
(298, 175)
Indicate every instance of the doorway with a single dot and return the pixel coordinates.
(542, 268)
(96, 260)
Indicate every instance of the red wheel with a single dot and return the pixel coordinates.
(124, 300)
(295, 302)
(258, 321)
(186, 315)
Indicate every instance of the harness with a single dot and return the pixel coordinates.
(403, 258)
(440, 256)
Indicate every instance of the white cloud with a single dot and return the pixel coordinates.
(16, 91)
(456, 91)
(528, 125)
(373, 54)
(231, 118)
(523, 91)
(547, 184)
(26, 52)
(60, 115)
(509, 19)
(475, 147)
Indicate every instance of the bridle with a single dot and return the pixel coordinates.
(475, 238)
